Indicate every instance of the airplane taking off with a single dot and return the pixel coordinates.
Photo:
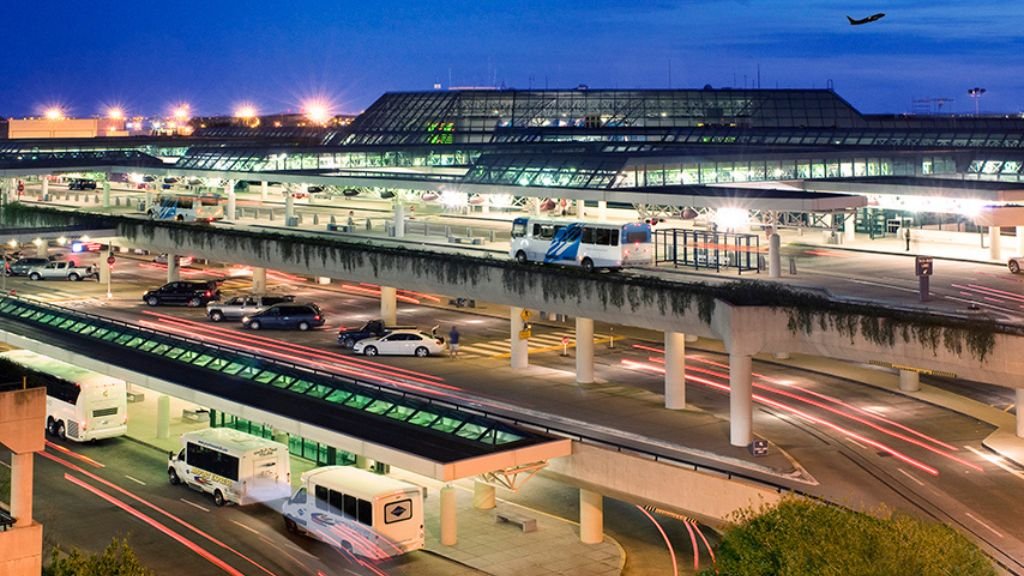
(871, 18)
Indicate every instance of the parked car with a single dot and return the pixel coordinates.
(1016, 264)
(62, 270)
(22, 266)
(241, 306)
(401, 343)
(193, 294)
(288, 316)
(347, 337)
(82, 184)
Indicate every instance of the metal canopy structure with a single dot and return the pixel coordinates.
(435, 438)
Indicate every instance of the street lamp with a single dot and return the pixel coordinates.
(318, 111)
(54, 113)
(115, 113)
(248, 114)
(976, 93)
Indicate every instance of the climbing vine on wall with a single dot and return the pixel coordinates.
(806, 311)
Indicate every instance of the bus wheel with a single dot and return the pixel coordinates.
(218, 497)
(521, 257)
(172, 477)
(179, 218)
(290, 525)
(588, 264)
(60, 431)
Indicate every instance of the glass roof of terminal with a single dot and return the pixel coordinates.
(549, 170)
(419, 415)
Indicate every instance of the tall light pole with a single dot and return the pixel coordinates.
(976, 93)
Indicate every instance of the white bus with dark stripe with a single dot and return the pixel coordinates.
(589, 245)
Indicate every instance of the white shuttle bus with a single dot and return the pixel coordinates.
(81, 405)
(187, 208)
(232, 466)
(357, 511)
(589, 245)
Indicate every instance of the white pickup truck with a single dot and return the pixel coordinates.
(62, 270)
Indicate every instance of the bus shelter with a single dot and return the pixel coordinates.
(706, 249)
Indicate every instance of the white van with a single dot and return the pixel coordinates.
(357, 511)
(232, 465)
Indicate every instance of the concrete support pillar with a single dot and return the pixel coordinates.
(289, 208)
(910, 381)
(45, 193)
(534, 206)
(106, 193)
(42, 249)
(399, 220)
(675, 370)
(580, 207)
(449, 526)
(584, 350)
(519, 348)
(741, 399)
(163, 416)
(259, 280)
(147, 200)
(591, 517)
(774, 256)
(21, 487)
(485, 208)
(231, 210)
(104, 268)
(1020, 241)
(602, 210)
(389, 305)
(994, 247)
(1020, 412)
(850, 228)
(362, 462)
(264, 190)
(483, 496)
(172, 267)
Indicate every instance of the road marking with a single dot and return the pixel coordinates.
(997, 460)
(991, 529)
(136, 480)
(253, 530)
(908, 475)
(193, 504)
(852, 441)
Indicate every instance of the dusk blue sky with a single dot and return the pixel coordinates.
(215, 54)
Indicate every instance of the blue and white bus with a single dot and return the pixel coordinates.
(586, 244)
(187, 208)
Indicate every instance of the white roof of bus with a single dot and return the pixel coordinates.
(62, 370)
(230, 440)
(357, 482)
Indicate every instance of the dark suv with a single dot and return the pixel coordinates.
(286, 316)
(82, 184)
(193, 294)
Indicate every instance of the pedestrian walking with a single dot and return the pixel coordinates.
(351, 220)
(453, 342)
(906, 236)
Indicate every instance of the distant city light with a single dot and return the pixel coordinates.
(318, 111)
(182, 112)
(54, 113)
(115, 113)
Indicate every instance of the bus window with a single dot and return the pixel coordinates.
(321, 498)
(350, 507)
(589, 235)
(603, 236)
(209, 200)
(365, 512)
(636, 236)
(518, 229)
(337, 501)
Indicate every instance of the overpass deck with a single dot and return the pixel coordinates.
(433, 436)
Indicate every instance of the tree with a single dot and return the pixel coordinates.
(118, 559)
(801, 537)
